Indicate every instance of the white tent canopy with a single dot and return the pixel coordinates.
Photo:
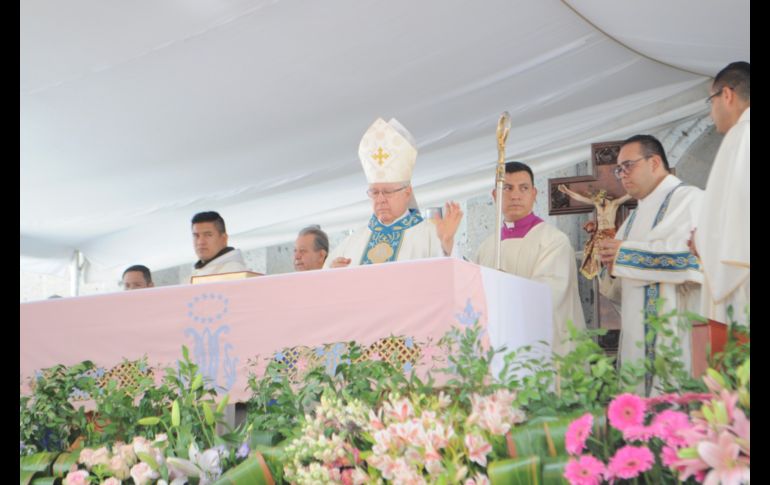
(136, 115)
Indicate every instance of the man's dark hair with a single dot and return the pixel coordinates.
(650, 146)
(320, 239)
(736, 75)
(513, 167)
(142, 269)
(210, 216)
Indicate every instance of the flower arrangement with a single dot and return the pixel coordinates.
(372, 422)
(658, 439)
(328, 449)
(420, 439)
(432, 439)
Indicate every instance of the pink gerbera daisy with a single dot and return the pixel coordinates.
(630, 461)
(626, 410)
(668, 424)
(669, 456)
(585, 471)
(640, 433)
(577, 433)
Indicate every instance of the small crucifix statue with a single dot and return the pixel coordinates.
(606, 209)
(601, 192)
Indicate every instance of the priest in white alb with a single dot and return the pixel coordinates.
(396, 230)
(722, 234)
(649, 258)
(536, 250)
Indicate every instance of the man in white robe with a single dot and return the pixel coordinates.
(536, 250)
(210, 243)
(722, 234)
(649, 259)
(396, 231)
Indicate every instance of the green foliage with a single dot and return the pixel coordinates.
(668, 366)
(585, 378)
(277, 405)
(469, 363)
(47, 419)
(735, 353)
(188, 410)
(118, 409)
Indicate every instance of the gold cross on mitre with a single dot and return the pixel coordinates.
(380, 156)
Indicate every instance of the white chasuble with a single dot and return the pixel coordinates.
(409, 238)
(722, 238)
(653, 263)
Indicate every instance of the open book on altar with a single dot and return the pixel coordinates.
(211, 278)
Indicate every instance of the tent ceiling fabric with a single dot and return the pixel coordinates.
(136, 115)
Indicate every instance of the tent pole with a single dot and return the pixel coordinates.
(75, 274)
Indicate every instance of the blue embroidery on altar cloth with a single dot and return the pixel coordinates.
(469, 315)
(207, 309)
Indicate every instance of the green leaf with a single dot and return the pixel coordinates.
(25, 476)
(720, 413)
(515, 471)
(39, 462)
(197, 382)
(716, 376)
(45, 481)
(64, 463)
(149, 421)
(553, 472)
(250, 471)
(175, 416)
(147, 458)
(542, 436)
(744, 373)
(265, 438)
(688, 453)
(223, 403)
(207, 413)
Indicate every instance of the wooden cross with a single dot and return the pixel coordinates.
(604, 156)
(380, 156)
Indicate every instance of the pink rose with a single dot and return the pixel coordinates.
(79, 477)
(143, 474)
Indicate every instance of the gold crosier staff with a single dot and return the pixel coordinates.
(503, 127)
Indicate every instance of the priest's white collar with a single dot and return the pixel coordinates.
(661, 191)
(396, 219)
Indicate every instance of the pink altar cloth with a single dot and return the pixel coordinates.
(227, 323)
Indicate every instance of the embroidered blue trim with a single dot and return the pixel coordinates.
(658, 217)
(628, 226)
(680, 261)
(664, 206)
(392, 235)
(651, 295)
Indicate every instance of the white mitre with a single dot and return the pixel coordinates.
(388, 153)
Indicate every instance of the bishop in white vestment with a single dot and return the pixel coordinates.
(396, 230)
